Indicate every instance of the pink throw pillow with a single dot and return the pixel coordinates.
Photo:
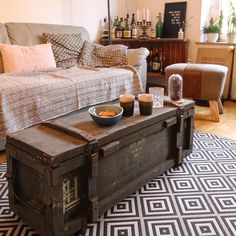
(27, 58)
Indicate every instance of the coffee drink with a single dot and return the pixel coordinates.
(145, 104)
(127, 103)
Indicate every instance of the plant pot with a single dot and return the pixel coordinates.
(212, 37)
(231, 37)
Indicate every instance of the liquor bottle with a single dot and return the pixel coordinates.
(162, 67)
(119, 31)
(150, 61)
(122, 23)
(134, 27)
(127, 34)
(159, 26)
(156, 62)
(133, 20)
(153, 33)
(105, 32)
(114, 26)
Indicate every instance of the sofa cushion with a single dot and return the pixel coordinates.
(3, 39)
(31, 33)
(27, 59)
(66, 48)
(96, 55)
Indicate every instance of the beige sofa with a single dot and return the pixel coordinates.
(31, 34)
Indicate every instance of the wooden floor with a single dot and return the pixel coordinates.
(225, 128)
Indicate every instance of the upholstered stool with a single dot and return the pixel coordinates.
(202, 81)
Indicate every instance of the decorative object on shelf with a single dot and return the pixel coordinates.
(231, 24)
(181, 34)
(159, 26)
(175, 15)
(212, 31)
(144, 22)
(175, 88)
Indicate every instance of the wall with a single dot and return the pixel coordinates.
(90, 13)
(192, 30)
(87, 13)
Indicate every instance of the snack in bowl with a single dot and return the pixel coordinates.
(106, 115)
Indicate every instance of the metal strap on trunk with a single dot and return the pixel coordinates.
(76, 133)
(92, 152)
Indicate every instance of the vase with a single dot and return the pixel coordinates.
(231, 37)
(212, 37)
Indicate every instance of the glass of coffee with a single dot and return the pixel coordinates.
(145, 103)
(127, 103)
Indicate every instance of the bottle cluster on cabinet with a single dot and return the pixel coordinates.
(130, 27)
(156, 60)
(121, 28)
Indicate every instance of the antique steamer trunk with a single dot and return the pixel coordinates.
(66, 172)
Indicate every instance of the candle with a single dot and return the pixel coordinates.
(148, 16)
(138, 16)
(144, 14)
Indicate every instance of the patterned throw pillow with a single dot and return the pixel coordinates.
(66, 48)
(96, 55)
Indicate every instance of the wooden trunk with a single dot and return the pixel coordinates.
(66, 172)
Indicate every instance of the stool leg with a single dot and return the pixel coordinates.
(214, 110)
(220, 106)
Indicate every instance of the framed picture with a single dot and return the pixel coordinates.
(174, 16)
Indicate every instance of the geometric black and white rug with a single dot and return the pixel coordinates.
(198, 198)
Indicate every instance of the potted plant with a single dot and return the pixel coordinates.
(231, 24)
(212, 31)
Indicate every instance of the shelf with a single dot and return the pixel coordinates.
(155, 75)
(122, 40)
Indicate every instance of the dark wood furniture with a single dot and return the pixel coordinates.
(174, 50)
(70, 170)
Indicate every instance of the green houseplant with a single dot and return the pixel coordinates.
(212, 31)
(231, 24)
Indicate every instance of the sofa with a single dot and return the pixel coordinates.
(30, 98)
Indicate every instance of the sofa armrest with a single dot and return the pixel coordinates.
(137, 58)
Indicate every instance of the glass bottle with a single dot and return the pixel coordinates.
(133, 20)
(114, 26)
(175, 87)
(161, 59)
(105, 32)
(119, 31)
(134, 28)
(159, 26)
(127, 30)
(153, 33)
(150, 61)
(156, 62)
(181, 34)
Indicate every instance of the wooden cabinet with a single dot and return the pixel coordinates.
(174, 51)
